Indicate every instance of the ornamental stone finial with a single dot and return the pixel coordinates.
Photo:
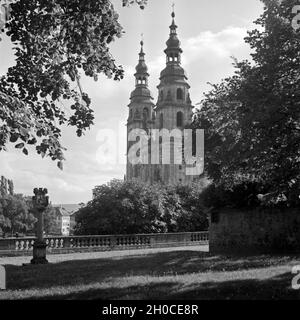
(173, 11)
(40, 198)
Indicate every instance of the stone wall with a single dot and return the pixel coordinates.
(254, 231)
(63, 244)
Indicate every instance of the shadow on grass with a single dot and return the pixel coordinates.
(276, 288)
(89, 274)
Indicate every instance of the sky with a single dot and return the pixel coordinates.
(210, 31)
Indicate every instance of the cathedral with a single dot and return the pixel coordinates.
(173, 110)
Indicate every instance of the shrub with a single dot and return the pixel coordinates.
(128, 207)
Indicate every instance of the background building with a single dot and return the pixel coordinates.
(65, 217)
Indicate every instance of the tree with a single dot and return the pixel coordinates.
(51, 223)
(15, 215)
(193, 214)
(128, 207)
(251, 119)
(121, 208)
(54, 41)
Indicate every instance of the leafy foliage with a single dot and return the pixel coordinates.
(251, 119)
(135, 207)
(54, 42)
(50, 215)
(51, 221)
(15, 215)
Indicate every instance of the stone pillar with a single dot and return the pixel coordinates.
(2, 278)
(40, 203)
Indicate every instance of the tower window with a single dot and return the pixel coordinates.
(179, 119)
(137, 114)
(145, 114)
(130, 114)
(161, 121)
(171, 58)
(179, 94)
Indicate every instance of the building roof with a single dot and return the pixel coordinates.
(67, 209)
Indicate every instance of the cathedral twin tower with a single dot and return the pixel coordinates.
(173, 110)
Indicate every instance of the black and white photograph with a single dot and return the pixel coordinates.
(149, 151)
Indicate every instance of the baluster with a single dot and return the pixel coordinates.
(72, 243)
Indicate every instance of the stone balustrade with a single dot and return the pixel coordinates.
(61, 244)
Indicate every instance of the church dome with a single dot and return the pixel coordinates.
(141, 68)
(173, 70)
(173, 42)
(140, 92)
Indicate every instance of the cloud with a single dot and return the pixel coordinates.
(219, 45)
(207, 57)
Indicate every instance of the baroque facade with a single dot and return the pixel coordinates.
(173, 110)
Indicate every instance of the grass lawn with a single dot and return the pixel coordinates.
(185, 273)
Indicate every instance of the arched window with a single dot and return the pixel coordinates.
(171, 57)
(179, 94)
(161, 121)
(179, 119)
(145, 114)
(136, 114)
(130, 114)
